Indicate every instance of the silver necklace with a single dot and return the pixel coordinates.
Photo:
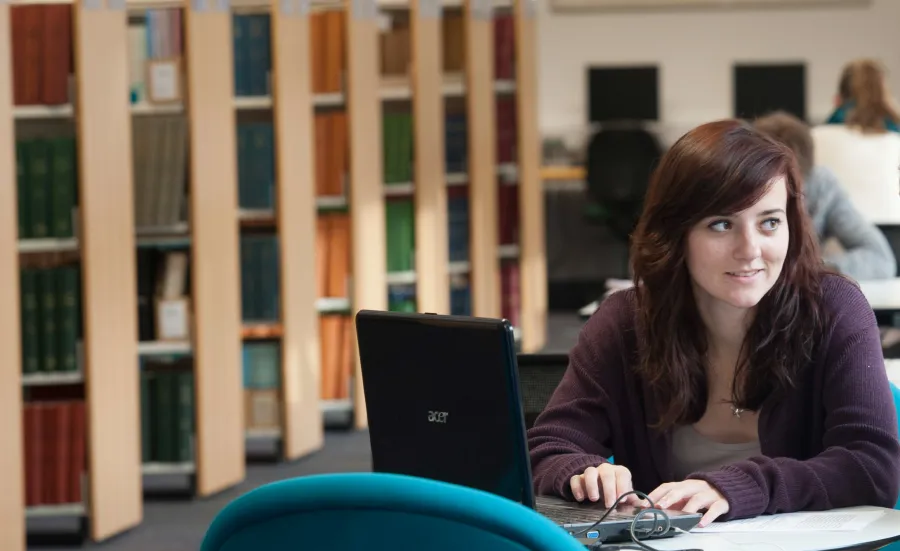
(736, 411)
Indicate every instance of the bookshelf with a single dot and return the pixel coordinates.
(108, 273)
(333, 197)
(12, 517)
(215, 274)
(532, 248)
(301, 415)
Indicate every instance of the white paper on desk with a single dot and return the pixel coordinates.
(839, 521)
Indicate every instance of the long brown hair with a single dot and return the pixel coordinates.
(720, 168)
(863, 85)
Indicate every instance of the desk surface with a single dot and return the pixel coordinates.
(882, 294)
(887, 529)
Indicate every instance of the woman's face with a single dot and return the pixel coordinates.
(735, 260)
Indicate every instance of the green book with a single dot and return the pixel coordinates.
(31, 321)
(22, 189)
(47, 295)
(63, 180)
(39, 182)
(183, 431)
(147, 437)
(164, 416)
(67, 317)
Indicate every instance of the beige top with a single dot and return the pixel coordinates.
(692, 452)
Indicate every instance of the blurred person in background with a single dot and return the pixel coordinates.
(860, 144)
(864, 252)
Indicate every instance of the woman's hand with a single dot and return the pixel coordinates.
(612, 480)
(691, 496)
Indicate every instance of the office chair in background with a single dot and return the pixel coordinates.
(375, 511)
(539, 375)
(620, 162)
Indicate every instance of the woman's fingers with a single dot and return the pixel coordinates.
(717, 509)
(577, 485)
(591, 483)
(609, 482)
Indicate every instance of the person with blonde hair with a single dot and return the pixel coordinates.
(864, 100)
(860, 144)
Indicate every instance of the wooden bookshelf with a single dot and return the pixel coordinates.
(108, 274)
(482, 138)
(216, 290)
(302, 425)
(432, 273)
(368, 234)
(12, 513)
(532, 249)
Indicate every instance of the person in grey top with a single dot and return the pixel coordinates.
(866, 253)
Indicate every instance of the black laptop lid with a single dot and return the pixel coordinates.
(442, 400)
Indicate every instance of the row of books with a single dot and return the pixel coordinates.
(161, 274)
(333, 254)
(396, 45)
(55, 451)
(401, 233)
(253, 56)
(160, 153)
(256, 165)
(42, 53)
(156, 36)
(251, 34)
(167, 411)
(51, 318)
(262, 364)
(458, 223)
(259, 277)
(397, 139)
(331, 152)
(400, 215)
(46, 187)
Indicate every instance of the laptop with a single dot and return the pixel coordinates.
(443, 402)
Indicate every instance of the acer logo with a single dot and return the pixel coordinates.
(437, 416)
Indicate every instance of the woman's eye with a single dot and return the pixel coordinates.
(720, 225)
(771, 224)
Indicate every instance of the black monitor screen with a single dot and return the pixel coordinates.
(623, 93)
(761, 89)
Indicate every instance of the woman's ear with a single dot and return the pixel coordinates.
(837, 100)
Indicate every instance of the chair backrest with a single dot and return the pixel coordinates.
(620, 162)
(539, 375)
(362, 511)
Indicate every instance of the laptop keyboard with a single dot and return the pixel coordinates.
(567, 514)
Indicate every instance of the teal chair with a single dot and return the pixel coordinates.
(896, 392)
(375, 511)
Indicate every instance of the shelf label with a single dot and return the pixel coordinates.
(364, 9)
(92, 4)
(117, 5)
(286, 7)
(303, 7)
(429, 9)
(198, 5)
(223, 5)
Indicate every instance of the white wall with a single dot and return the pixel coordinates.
(695, 51)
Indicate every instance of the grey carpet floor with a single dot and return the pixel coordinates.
(179, 525)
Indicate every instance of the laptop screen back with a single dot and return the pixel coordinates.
(442, 400)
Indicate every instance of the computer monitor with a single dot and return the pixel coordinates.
(760, 89)
(623, 93)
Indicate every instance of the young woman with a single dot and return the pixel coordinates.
(737, 377)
